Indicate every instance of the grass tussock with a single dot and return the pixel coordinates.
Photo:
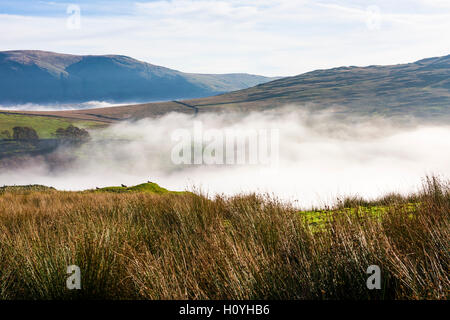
(184, 246)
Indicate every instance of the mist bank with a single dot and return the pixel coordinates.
(59, 106)
(319, 157)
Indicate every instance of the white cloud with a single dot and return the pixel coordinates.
(271, 37)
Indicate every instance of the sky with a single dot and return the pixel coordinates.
(266, 37)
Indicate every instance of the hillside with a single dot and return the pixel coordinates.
(47, 77)
(420, 89)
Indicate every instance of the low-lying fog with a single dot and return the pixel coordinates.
(71, 106)
(320, 158)
(59, 107)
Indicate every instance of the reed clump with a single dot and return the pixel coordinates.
(185, 246)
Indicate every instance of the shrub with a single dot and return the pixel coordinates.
(25, 134)
(72, 133)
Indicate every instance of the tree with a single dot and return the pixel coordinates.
(72, 133)
(25, 134)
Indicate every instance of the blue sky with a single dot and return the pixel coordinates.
(269, 37)
(57, 8)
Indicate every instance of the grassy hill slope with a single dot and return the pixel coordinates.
(421, 89)
(149, 187)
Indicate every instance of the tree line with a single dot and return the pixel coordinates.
(29, 134)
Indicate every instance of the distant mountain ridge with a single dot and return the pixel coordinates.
(420, 89)
(31, 76)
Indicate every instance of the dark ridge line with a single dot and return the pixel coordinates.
(105, 117)
(31, 114)
(187, 105)
(237, 101)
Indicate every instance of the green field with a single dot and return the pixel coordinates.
(44, 126)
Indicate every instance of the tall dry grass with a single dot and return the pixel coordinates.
(143, 246)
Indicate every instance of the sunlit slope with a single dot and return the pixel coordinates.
(149, 187)
(421, 89)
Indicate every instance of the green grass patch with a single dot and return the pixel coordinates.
(150, 187)
(317, 219)
(44, 126)
(25, 188)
